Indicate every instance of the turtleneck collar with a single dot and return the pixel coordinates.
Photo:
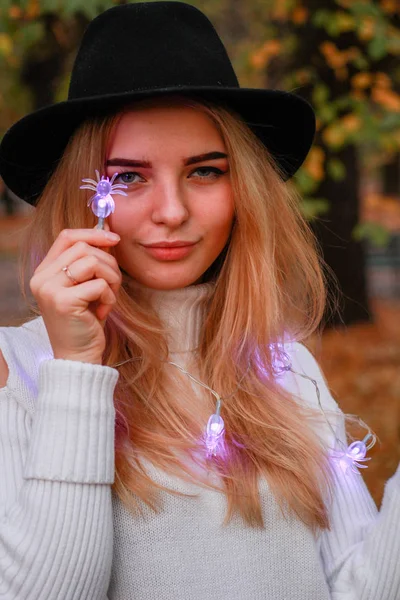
(181, 312)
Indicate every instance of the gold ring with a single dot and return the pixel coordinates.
(68, 274)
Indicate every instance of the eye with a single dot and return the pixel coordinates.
(129, 177)
(207, 172)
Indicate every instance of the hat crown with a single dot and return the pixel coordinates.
(150, 45)
(136, 51)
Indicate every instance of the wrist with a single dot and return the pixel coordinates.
(84, 358)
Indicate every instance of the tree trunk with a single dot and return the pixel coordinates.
(391, 177)
(44, 64)
(344, 255)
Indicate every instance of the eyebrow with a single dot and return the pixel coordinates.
(145, 164)
(202, 157)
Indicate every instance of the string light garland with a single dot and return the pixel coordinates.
(349, 458)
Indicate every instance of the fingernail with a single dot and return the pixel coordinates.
(112, 236)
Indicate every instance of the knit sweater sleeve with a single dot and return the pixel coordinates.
(56, 468)
(360, 553)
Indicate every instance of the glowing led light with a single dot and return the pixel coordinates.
(355, 454)
(102, 203)
(102, 207)
(214, 438)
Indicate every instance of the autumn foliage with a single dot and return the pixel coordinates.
(359, 45)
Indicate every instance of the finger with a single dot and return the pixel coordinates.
(87, 268)
(97, 264)
(70, 255)
(69, 237)
(104, 303)
(102, 311)
(75, 300)
(81, 250)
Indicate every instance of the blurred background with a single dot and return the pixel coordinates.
(343, 57)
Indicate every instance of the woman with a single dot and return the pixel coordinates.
(190, 305)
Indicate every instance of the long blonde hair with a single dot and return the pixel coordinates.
(269, 284)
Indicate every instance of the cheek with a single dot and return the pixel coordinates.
(223, 215)
(125, 219)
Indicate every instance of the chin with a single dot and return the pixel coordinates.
(168, 281)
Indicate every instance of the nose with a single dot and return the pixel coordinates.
(170, 206)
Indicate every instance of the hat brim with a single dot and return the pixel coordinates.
(33, 146)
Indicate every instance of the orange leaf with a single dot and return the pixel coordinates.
(386, 98)
(334, 136)
(6, 45)
(382, 80)
(362, 80)
(367, 28)
(351, 122)
(357, 94)
(390, 7)
(314, 164)
(260, 57)
(33, 9)
(14, 12)
(300, 15)
(302, 76)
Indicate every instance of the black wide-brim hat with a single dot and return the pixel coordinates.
(141, 50)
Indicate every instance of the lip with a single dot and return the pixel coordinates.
(169, 251)
(176, 244)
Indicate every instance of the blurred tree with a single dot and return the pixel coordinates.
(334, 53)
(43, 64)
(338, 181)
(342, 55)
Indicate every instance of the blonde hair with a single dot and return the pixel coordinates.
(270, 284)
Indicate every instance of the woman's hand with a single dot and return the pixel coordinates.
(75, 314)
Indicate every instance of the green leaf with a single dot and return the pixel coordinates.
(314, 207)
(305, 183)
(373, 232)
(377, 47)
(390, 121)
(29, 34)
(332, 27)
(320, 94)
(336, 169)
(360, 62)
(90, 8)
(327, 113)
(321, 17)
(367, 9)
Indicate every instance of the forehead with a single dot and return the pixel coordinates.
(155, 128)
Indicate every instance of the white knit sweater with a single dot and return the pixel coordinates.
(64, 536)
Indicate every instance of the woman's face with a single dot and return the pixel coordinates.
(178, 214)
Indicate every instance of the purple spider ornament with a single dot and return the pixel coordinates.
(102, 203)
(351, 458)
(215, 433)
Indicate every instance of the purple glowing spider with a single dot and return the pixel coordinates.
(102, 203)
(351, 458)
(214, 436)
